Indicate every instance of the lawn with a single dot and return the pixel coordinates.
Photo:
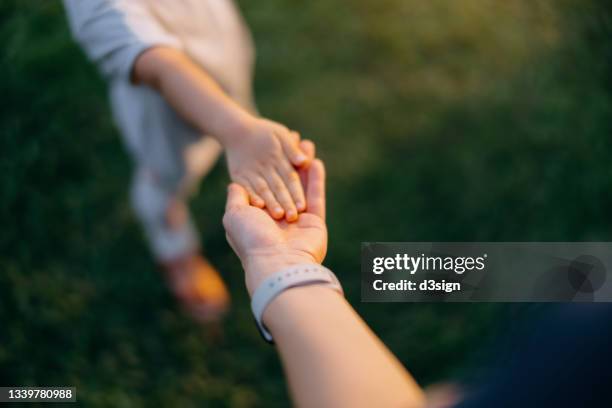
(438, 121)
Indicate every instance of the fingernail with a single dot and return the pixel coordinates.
(291, 215)
(300, 158)
(278, 210)
(300, 205)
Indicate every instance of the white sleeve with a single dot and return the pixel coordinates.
(114, 32)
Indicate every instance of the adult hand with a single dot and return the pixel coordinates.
(265, 245)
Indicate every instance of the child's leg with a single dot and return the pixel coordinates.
(199, 157)
(170, 234)
(164, 214)
(173, 237)
(162, 208)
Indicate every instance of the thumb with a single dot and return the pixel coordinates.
(236, 197)
(315, 189)
(308, 148)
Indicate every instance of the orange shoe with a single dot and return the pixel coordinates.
(198, 286)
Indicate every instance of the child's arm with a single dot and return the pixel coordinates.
(261, 154)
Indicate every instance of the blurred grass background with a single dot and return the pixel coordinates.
(439, 120)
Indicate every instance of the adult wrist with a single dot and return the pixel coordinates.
(259, 266)
(289, 311)
(287, 280)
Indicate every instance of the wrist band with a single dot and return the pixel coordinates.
(274, 285)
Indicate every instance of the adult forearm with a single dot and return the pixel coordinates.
(192, 93)
(331, 357)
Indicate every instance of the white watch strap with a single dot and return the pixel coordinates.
(297, 275)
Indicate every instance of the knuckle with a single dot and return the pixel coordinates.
(278, 185)
(277, 156)
(282, 128)
(270, 142)
(276, 150)
(258, 183)
(263, 189)
(286, 137)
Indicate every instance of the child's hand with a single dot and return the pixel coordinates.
(263, 161)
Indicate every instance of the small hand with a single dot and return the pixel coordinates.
(264, 163)
(265, 245)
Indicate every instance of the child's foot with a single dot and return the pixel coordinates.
(198, 287)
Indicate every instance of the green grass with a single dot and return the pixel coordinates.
(439, 120)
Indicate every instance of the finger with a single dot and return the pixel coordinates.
(308, 147)
(236, 197)
(281, 193)
(255, 198)
(292, 181)
(290, 143)
(303, 173)
(315, 191)
(309, 150)
(261, 188)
